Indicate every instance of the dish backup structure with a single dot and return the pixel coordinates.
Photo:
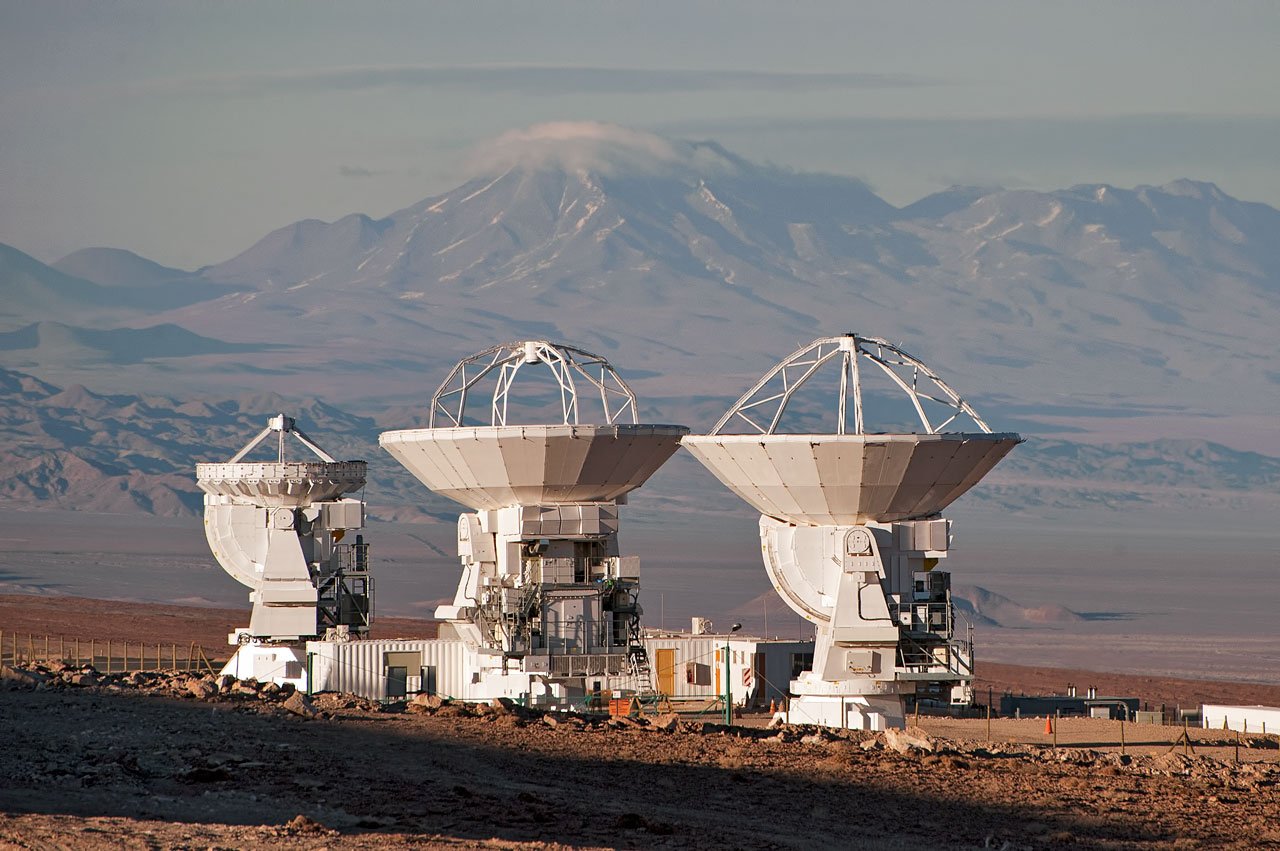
(547, 607)
(850, 525)
(281, 528)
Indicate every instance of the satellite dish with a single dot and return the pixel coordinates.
(850, 476)
(281, 483)
(502, 464)
(277, 526)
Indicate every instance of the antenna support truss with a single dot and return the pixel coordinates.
(572, 368)
(763, 405)
(282, 425)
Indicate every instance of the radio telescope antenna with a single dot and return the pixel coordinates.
(546, 604)
(850, 527)
(280, 528)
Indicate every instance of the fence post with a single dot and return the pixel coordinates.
(1122, 735)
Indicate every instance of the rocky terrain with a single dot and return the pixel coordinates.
(171, 760)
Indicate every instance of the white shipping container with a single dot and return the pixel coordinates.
(360, 667)
(693, 666)
(1246, 719)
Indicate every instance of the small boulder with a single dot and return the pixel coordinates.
(668, 723)
(906, 741)
(200, 689)
(299, 705)
(430, 702)
(300, 825)
(19, 678)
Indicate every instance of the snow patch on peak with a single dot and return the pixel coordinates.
(596, 147)
(1055, 209)
(1201, 189)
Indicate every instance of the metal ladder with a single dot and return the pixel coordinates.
(638, 656)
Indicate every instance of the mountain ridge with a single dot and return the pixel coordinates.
(695, 270)
(117, 267)
(78, 449)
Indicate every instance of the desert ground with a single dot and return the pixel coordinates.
(176, 760)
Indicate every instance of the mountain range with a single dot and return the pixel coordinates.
(693, 270)
(72, 448)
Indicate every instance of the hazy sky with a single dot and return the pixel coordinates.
(186, 131)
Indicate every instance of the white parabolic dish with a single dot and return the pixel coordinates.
(848, 479)
(489, 467)
(281, 483)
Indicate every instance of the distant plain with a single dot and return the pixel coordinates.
(1141, 600)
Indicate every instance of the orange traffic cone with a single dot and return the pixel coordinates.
(773, 706)
(1048, 725)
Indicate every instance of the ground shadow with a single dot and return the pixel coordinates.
(139, 756)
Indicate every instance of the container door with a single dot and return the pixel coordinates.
(667, 671)
(397, 680)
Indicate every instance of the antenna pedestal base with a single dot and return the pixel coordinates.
(282, 664)
(850, 712)
(885, 628)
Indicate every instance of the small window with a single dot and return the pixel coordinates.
(800, 662)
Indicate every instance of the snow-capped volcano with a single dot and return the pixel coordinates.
(570, 206)
(697, 269)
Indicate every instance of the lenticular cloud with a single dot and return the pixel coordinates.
(595, 146)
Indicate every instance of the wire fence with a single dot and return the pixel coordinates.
(104, 655)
